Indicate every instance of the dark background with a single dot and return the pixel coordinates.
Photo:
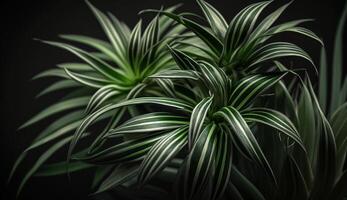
(22, 57)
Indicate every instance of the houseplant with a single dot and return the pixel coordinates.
(217, 85)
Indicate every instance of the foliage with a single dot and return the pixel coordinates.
(211, 110)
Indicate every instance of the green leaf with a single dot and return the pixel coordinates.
(243, 184)
(54, 135)
(150, 38)
(131, 150)
(61, 168)
(208, 38)
(337, 62)
(195, 173)
(87, 80)
(121, 174)
(43, 158)
(100, 173)
(305, 32)
(197, 120)
(223, 165)
(326, 158)
(51, 73)
(307, 123)
(274, 119)
(267, 22)
(161, 154)
(240, 130)
(105, 48)
(292, 183)
(56, 108)
(111, 31)
(323, 80)
(240, 27)
(339, 126)
(97, 64)
(277, 50)
(339, 192)
(250, 87)
(134, 48)
(148, 123)
(343, 92)
(59, 85)
(184, 61)
(290, 26)
(76, 67)
(214, 18)
(171, 102)
(102, 95)
(177, 74)
(167, 86)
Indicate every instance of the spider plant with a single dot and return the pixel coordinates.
(116, 71)
(209, 109)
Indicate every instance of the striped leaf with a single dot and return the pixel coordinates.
(267, 22)
(161, 154)
(111, 31)
(245, 138)
(148, 123)
(184, 61)
(97, 64)
(167, 86)
(216, 81)
(274, 119)
(171, 102)
(276, 50)
(250, 87)
(87, 80)
(130, 150)
(150, 36)
(197, 120)
(134, 48)
(208, 38)
(241, 26)
(214, 18)
(211, 41)
(177, 74)
(283, 27)
(76, 66)
(195, 173)
(103, 47)
(306, 32)
(223, 165)
(100, 96)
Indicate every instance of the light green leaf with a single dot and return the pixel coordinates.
(56, 108)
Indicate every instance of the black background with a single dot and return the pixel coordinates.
(22, 57)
